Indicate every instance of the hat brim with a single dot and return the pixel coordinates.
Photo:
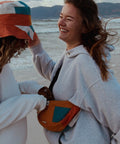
(10, 30)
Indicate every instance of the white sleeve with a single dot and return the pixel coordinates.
(29, 87)
(101, 98)
(104, 101)
(42, 61)
(116, 138)
(16, 108)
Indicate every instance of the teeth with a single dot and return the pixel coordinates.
(63, 30)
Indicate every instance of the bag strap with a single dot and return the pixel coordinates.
(54, 79)
(51, 89)
(59, 141)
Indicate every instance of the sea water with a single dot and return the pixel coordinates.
(49, 28)
(45, 26)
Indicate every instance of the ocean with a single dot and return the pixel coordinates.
(48, 32)
(45, 26)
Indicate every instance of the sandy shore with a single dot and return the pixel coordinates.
(35, 131)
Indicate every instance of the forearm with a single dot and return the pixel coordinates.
(29, 87)
(16, 108)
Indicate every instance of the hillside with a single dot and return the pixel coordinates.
(46, 12)
(109, 9)
(105, 10)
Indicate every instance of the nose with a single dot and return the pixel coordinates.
(61, 22)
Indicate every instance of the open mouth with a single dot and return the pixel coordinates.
(63, 30)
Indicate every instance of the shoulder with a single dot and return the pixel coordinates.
(85, 61)
(87, 67)
(83, 64)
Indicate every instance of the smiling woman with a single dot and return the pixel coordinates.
(84, 78)
(70, 26)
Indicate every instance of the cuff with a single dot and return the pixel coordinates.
(42, 102)
(37, 49)
(116, 138)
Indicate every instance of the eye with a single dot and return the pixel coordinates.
(69, 19)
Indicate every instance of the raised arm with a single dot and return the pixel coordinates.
(42, 61)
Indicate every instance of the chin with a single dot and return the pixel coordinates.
(62, 38)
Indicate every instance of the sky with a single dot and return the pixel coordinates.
(35, 3)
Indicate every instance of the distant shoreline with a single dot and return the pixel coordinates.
(105, 9)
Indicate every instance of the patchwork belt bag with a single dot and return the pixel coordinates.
(58, 115)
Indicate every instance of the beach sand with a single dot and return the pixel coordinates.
(55, 48)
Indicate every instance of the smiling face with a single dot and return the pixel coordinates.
(70, 25)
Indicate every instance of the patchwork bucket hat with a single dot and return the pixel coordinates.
(15, 20)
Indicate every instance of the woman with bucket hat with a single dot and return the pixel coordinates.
(15, 31)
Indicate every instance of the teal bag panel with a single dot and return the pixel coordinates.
(60, 113)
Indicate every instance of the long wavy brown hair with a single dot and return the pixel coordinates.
(10, 47)
(95, 38)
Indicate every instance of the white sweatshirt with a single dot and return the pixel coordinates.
(15, 106)
(80, 82)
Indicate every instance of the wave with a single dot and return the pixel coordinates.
(46, 26)
(52, 30)
(45, 22)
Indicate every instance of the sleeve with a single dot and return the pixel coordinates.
(104, 101)
(29, 87)
(101, 98)
(42, 61)
(16, 108)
